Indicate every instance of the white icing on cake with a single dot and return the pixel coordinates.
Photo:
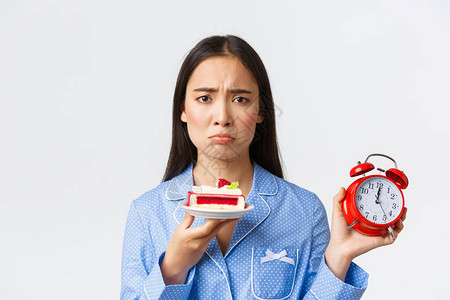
(205, 189)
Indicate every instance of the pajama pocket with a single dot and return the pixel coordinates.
(273, 272)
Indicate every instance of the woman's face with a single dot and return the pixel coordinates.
(221, 108)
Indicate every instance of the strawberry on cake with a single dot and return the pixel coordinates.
(225, 195)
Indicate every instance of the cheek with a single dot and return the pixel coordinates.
(247, 122)
(249, 116)
(195, 115)
(196, 122)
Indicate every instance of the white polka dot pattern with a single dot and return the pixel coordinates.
(273, 279)
(286, 217)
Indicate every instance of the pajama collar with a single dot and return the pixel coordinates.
(264, 185)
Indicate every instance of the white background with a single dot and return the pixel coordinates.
(85, 123)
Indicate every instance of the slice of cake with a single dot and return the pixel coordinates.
(225, 195)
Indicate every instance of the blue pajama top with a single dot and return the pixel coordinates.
(276, 251)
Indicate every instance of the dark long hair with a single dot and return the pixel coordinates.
(264, 146)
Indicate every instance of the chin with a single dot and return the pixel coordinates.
(225, 152)
(228, 156)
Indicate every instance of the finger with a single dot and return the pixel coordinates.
(387, 238)
(219, 227)
(391, 239)
(205, 229)
(187, 221)
(399, 226)
(338, 198)
(403, 217)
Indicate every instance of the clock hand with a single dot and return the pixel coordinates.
(379, 202)
(378, 196)
(382, 210)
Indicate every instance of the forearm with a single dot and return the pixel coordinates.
(337, 262)
(173, 274)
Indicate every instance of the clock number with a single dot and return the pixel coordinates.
(390, 213)
(374, 218)
(371, 185)
(367, 215)
(358, 198)
(394, 205)
(379, 185)
(392, 196)
(384, 218)
(365, 190)
(389, 189)
(361, 207)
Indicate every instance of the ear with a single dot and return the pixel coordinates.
(183, 117)
(259, 119)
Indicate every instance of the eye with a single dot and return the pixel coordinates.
(240, 100)
(204, 99)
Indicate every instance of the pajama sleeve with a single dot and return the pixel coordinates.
(141, 273)
(321, 283)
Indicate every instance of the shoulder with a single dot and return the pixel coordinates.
(289, 187)
(291, 198)
(269, 183)
(151, 197)
(286, 193)
(297, 194)
(162, 199)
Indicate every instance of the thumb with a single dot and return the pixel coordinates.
(187, 221)
(218, 227)
(338, 198)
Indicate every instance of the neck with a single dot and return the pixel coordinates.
(208, 170)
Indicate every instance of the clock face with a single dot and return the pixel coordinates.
(379, 200)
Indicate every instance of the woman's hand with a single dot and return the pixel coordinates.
(187, 246)
(347, 244)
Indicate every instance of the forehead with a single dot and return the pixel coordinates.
(222, 70)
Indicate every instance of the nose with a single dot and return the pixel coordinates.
(223, 116)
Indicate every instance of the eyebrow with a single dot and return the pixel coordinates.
(234, 91)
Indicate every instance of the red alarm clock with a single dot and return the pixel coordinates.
(373, 203)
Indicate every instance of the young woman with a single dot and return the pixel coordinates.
(224, 127)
